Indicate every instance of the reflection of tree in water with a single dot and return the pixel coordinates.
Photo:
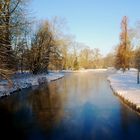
(70, 106)
(9, 125)
(39, 108)
(82, 87)
(47, 107)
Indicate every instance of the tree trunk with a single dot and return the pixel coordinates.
(138, 79)
(21, 64)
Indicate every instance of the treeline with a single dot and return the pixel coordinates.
(83, 57)
(37, 47)
(128, 51)
(24, 45)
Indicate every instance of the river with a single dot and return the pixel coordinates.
(81, 106)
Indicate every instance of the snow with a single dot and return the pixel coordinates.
(84, 70)
(125, 85)
(27, 80)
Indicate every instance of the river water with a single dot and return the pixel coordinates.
(81, 106)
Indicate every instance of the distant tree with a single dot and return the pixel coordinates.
(55, 57)
(124, 51)
(41, 45)
(90, 58)
(97, 58)
(69, 51)
(74, 55)
(84, 57)
(59, 55)
(75, 64)
(109, 60)
(64, 48)
(44, 49)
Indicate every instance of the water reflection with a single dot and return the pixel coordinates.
(79, 106)
(47, 107)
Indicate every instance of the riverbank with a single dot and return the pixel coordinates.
(125, 86)
(26, 80)
(84, 70)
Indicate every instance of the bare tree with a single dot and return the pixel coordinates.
(97, 58)
(42, 46)
(124, 51)
(11, 13)
(84, 57)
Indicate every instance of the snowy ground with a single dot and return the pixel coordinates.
(125, 85)
(26, 80)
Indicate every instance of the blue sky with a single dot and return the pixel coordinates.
(93, 22)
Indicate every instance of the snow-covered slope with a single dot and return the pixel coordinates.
(125, 85)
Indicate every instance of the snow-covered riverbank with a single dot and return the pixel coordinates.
(26, 81)
(125, 86)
